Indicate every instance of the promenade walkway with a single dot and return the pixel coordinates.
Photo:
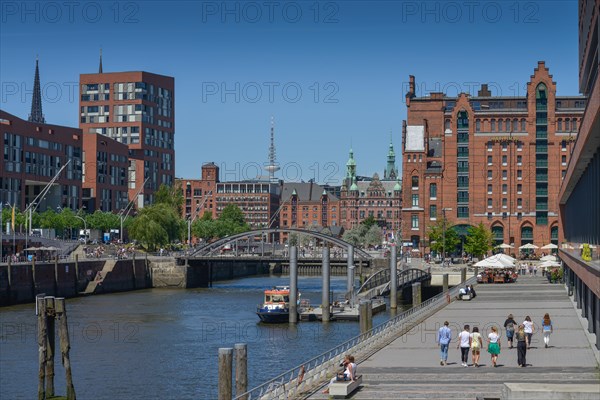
(409, 368)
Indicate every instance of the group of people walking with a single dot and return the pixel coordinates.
(473, 341)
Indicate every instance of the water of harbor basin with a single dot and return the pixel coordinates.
(163, 343)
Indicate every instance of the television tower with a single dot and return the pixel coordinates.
(272, 167)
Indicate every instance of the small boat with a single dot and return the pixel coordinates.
(276, 305)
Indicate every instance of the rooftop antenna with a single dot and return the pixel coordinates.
(272, 167)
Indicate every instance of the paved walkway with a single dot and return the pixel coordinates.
(409, 368)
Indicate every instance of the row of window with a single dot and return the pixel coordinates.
(517, 125)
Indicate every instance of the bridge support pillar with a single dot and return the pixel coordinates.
(463, 275)
(241, 369)
(393, 279)
(445, 282)
(225, 373)
(326, 284)
(350, 271)
(365, 316)
(416, 294)
(293, 285)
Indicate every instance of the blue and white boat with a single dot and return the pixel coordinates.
(276, 305)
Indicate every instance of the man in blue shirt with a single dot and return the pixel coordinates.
(444, 337)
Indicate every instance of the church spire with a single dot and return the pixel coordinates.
(100, 67)
(36, 101)
(391, 173)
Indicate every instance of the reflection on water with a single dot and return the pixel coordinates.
(163, 343)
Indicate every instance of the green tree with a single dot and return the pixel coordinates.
(156, 225)
(373, 236)
(437, 237)
(369, 222)
(171, 196)
(103, 221)
(353, 236)
(479, 240)
(232, 213)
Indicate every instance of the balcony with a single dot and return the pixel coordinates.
(541, 177)
(541, 149)
(541, 192)
(541, 163)
(463, 169)
(541, 135)
(541, 206)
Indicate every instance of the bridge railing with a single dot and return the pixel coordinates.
(307, 377)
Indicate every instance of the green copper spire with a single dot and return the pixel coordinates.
(391, 172)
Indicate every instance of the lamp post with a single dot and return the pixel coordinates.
(84, 227)
(444, 234)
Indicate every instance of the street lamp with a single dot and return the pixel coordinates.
(84, 227)
(444, 234)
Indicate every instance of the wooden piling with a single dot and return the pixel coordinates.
(65, 345)
(225, 373)
(445, 283)
(241, 369)
(50, 345)
(326, 285)
(42, 341)
(363, 316)
(393, 278)
(463, 275)
(416, 294)
(293, 316)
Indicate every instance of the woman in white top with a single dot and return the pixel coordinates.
(349, 371)
(494, 345)
(529, 329)
(465, 344)
(476, 345)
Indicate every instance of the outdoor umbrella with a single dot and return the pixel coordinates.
(550, 246)
(494, 262)
(528, 246)
(549, 264)
(506, 257)
(505, 246)
(548, 258)
(32, 249)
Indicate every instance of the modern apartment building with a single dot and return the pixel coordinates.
(492, 159)
(136, 109)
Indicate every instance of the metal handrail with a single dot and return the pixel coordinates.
(306, 377)
(383, 277)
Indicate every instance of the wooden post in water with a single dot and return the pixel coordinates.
(416, 294)
(463, 275)
(241, 369)
(50, 346)
(445, 283)
(369, 315)
(225, 373)
(65, 345)
(364, 309)
(350, 271)
(393, 278)
(42, 342)
(293, 318)
(325, 269)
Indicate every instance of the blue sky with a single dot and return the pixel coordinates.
(332, 73)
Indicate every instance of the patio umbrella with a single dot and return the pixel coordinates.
(528, 246)
(494, 262)
(550, 246)
(506, 257)
(32, 248)
(549, 264)
(415, 250)
(591, 246)
(505, 246)
(549, 258)
(52, 248)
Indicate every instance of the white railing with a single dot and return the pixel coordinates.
(307, 377)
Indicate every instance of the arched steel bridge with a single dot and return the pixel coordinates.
(209, 249)
(378, 284)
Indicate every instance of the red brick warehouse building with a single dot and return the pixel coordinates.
(137, 109)
(490, 159)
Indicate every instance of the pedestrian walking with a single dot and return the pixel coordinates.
(547, 329)
(535, 270)
(476, 345)
(444, 337)
(521, 337)
(494, 345)
(510, 325)
(529, 329)
(464, 342)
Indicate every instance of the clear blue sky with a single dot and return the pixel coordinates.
(349, 60)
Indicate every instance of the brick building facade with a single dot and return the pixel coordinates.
(490, 159)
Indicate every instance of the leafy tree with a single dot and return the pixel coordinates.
(479, 240)
(171, 196)
(156, 225)
(232, 213)
(353, 236)
(369, 222)
(104, 221)
(373, 236)
(437, 237)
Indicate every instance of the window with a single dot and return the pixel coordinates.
(504, 188)
(504, 175)
(414, 219)
(504, 203)
(415, 182)
(489, 158)
(489, 189)
(489, 174)
(519, 203)
(415, 200)
(489, 146)
(519, 189)
(559, 125)
(504, 160)
(508, 125)
(574, 125)
(493, 125)
(432, 211)
(432, 191)
(519, 146)
(563, 160)
(519, 174)
(499, 125)
(523, 125)
(489, 203)
(519, 160)
(563, 145)
(478, 125)
(515, 125)
(447, 124)
(567, 125)
(563, 173)
(504, 146)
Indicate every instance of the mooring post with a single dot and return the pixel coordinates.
(293, 318)
(42, 342)
(475, 271)
(369, 315)
(350, 270)
(65, 345)
(393, 278)
(225, 373)
(326, 285)
(50, 346)
(463, 275)
(416, 294)
(241, 369)
(362, 316)
(445, 283)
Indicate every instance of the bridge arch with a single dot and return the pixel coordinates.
(213, 247)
